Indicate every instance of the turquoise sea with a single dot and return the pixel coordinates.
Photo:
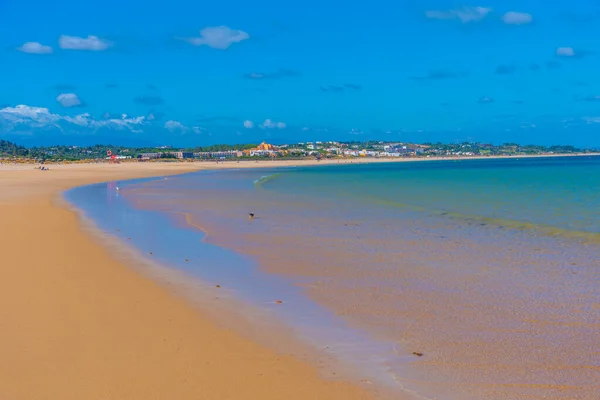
(443, 279)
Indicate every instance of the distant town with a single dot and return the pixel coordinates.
(320, 150)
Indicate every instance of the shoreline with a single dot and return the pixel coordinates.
(31, 200)
(280, 262)
(80, 323)
(237, 278)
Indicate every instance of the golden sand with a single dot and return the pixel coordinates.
(75, 323)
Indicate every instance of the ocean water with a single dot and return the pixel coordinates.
(487, 269)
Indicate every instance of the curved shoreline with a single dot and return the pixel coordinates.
(79, 323)
(155, 241)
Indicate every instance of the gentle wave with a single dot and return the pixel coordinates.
(543, 229)
(264, 179)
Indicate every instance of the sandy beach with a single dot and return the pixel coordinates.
(492, 309)
(77, 323)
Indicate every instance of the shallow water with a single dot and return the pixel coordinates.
(489, 268)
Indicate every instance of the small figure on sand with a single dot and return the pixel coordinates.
(251, 216)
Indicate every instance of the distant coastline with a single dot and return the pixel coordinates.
(301, 151)
(261, 162)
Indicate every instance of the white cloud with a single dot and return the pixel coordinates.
(175, 126)
(565, 52)
(269, 124)
(33, 116)
(23, 117)
(68, 100)
(92, 43)
(517, 18)
(199, 130)
(464, 14)
(248, 124)
(35, 48)
(218, 37)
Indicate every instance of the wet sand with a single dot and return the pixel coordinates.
(497, 315)
(77, 323)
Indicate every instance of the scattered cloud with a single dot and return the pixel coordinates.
(505, 69)
(280, 73)
(570, 52)
(148, 100)
(23, 118)
(69, 100)
(248, 124)
(217, 37)
(35, 48)
(464, 14)
(592, 120)
(435, 75)
(565, 52)
(352, 86)
(91, 43)
(198, 130)
(517, 18)
(175, 126)
(485, 100)
(269, 124)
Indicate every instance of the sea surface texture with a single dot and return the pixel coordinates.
(471, 279)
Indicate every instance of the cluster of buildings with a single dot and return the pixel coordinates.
(262, 150)
(214, 155)
(315, 149)
(330, 149)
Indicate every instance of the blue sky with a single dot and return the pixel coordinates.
(187, 73)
